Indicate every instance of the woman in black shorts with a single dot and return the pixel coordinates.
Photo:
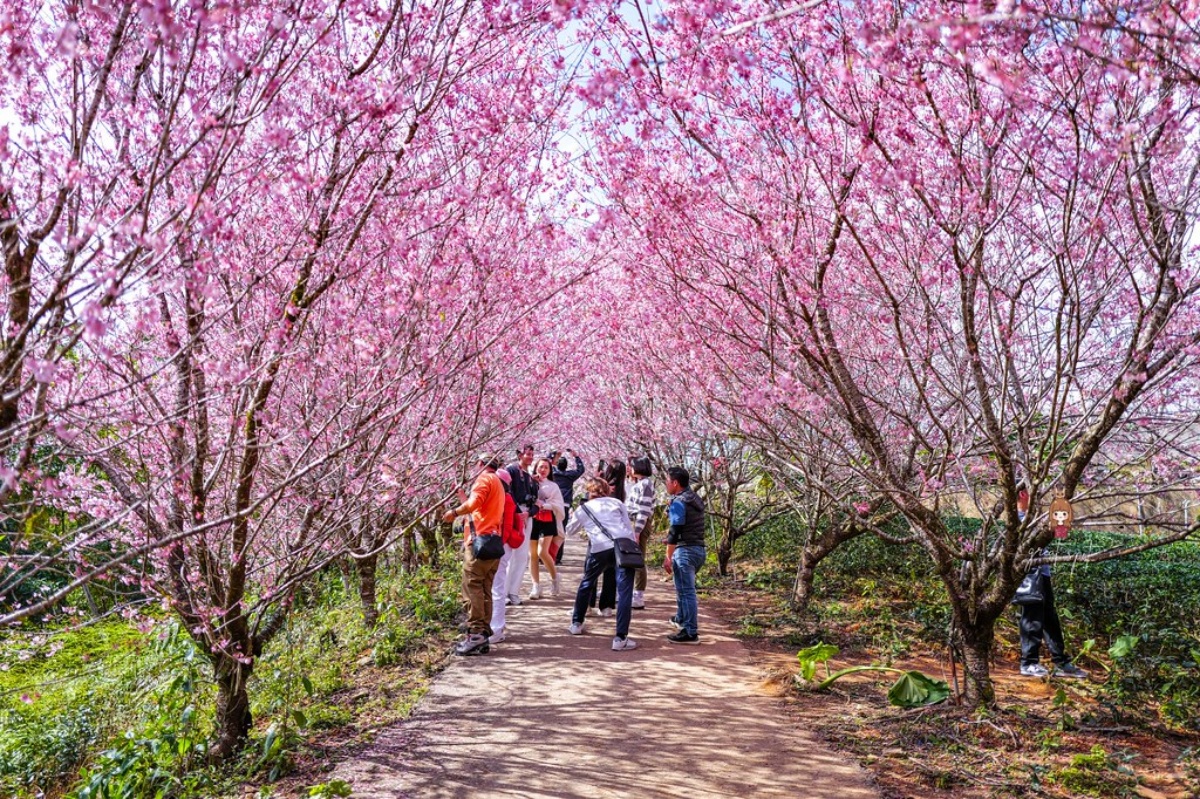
(547, 526)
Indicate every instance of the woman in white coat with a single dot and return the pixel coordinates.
(547, 526)
(603, 519)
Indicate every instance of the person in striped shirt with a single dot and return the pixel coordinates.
(640, 503)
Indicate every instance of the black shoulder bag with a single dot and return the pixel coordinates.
(1030, 591)
(629, 554)
(485, 547)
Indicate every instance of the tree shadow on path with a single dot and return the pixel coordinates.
(547, 714)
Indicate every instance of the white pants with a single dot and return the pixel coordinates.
(519, 563)
(499, 588)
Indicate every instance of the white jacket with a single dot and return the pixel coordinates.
(552, 500)
(608, 511)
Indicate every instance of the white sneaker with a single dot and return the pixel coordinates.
(575, 629)
(639, 600)
(536, 593)
(556, 586)
(513, 600)
(498, 637)
(608, 613)
(473, 644)
(623, 644)
(1035, 670)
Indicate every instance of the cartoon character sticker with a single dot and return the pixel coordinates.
(1061, 516)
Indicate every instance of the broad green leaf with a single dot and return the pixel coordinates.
(810, 657)
(269, 741)
(1123, 646)
(914, 689)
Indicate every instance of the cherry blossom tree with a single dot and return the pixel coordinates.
(309, 299)
(275, 273)
(962, 255)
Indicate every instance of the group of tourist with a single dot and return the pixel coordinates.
(527, 507)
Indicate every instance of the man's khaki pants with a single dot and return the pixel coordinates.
(639, 576)
(477, 588)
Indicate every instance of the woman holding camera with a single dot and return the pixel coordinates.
(603, 518)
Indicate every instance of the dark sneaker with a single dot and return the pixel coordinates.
(682, 637)
(1070, 671)
(675, 621)
(474, 644)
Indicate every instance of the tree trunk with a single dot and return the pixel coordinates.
(725, 548)
(343, 564)
(815, 550)
(805, 573)
(408, 552)
(977, 639)
(429, 543)
(366, 588)
(233, 719)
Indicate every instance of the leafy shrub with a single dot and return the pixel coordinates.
(38, 750)
(134, 710)
(889, 593)
(780, 537)
(869, 556)
(1154, 597)
(62, 695)
(1096, 774)
(324, 716)
(430, 597)
(162, 757)
(393, 641)
(328, 790)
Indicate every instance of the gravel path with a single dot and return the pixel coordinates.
(548, 715)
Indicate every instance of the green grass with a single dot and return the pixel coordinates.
(131, 710)
(62, 695)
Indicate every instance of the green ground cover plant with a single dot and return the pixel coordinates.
(884, 598)
(1130, 622)
(123, 709)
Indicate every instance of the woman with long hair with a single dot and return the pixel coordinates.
(603, 519)
(612, 473)
(547, 526)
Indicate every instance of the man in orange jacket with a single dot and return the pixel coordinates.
(485, 504)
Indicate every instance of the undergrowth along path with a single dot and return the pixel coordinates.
(549, 715)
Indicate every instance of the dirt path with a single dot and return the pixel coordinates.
(548, 715)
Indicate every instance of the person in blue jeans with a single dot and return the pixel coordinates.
(685, 553)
